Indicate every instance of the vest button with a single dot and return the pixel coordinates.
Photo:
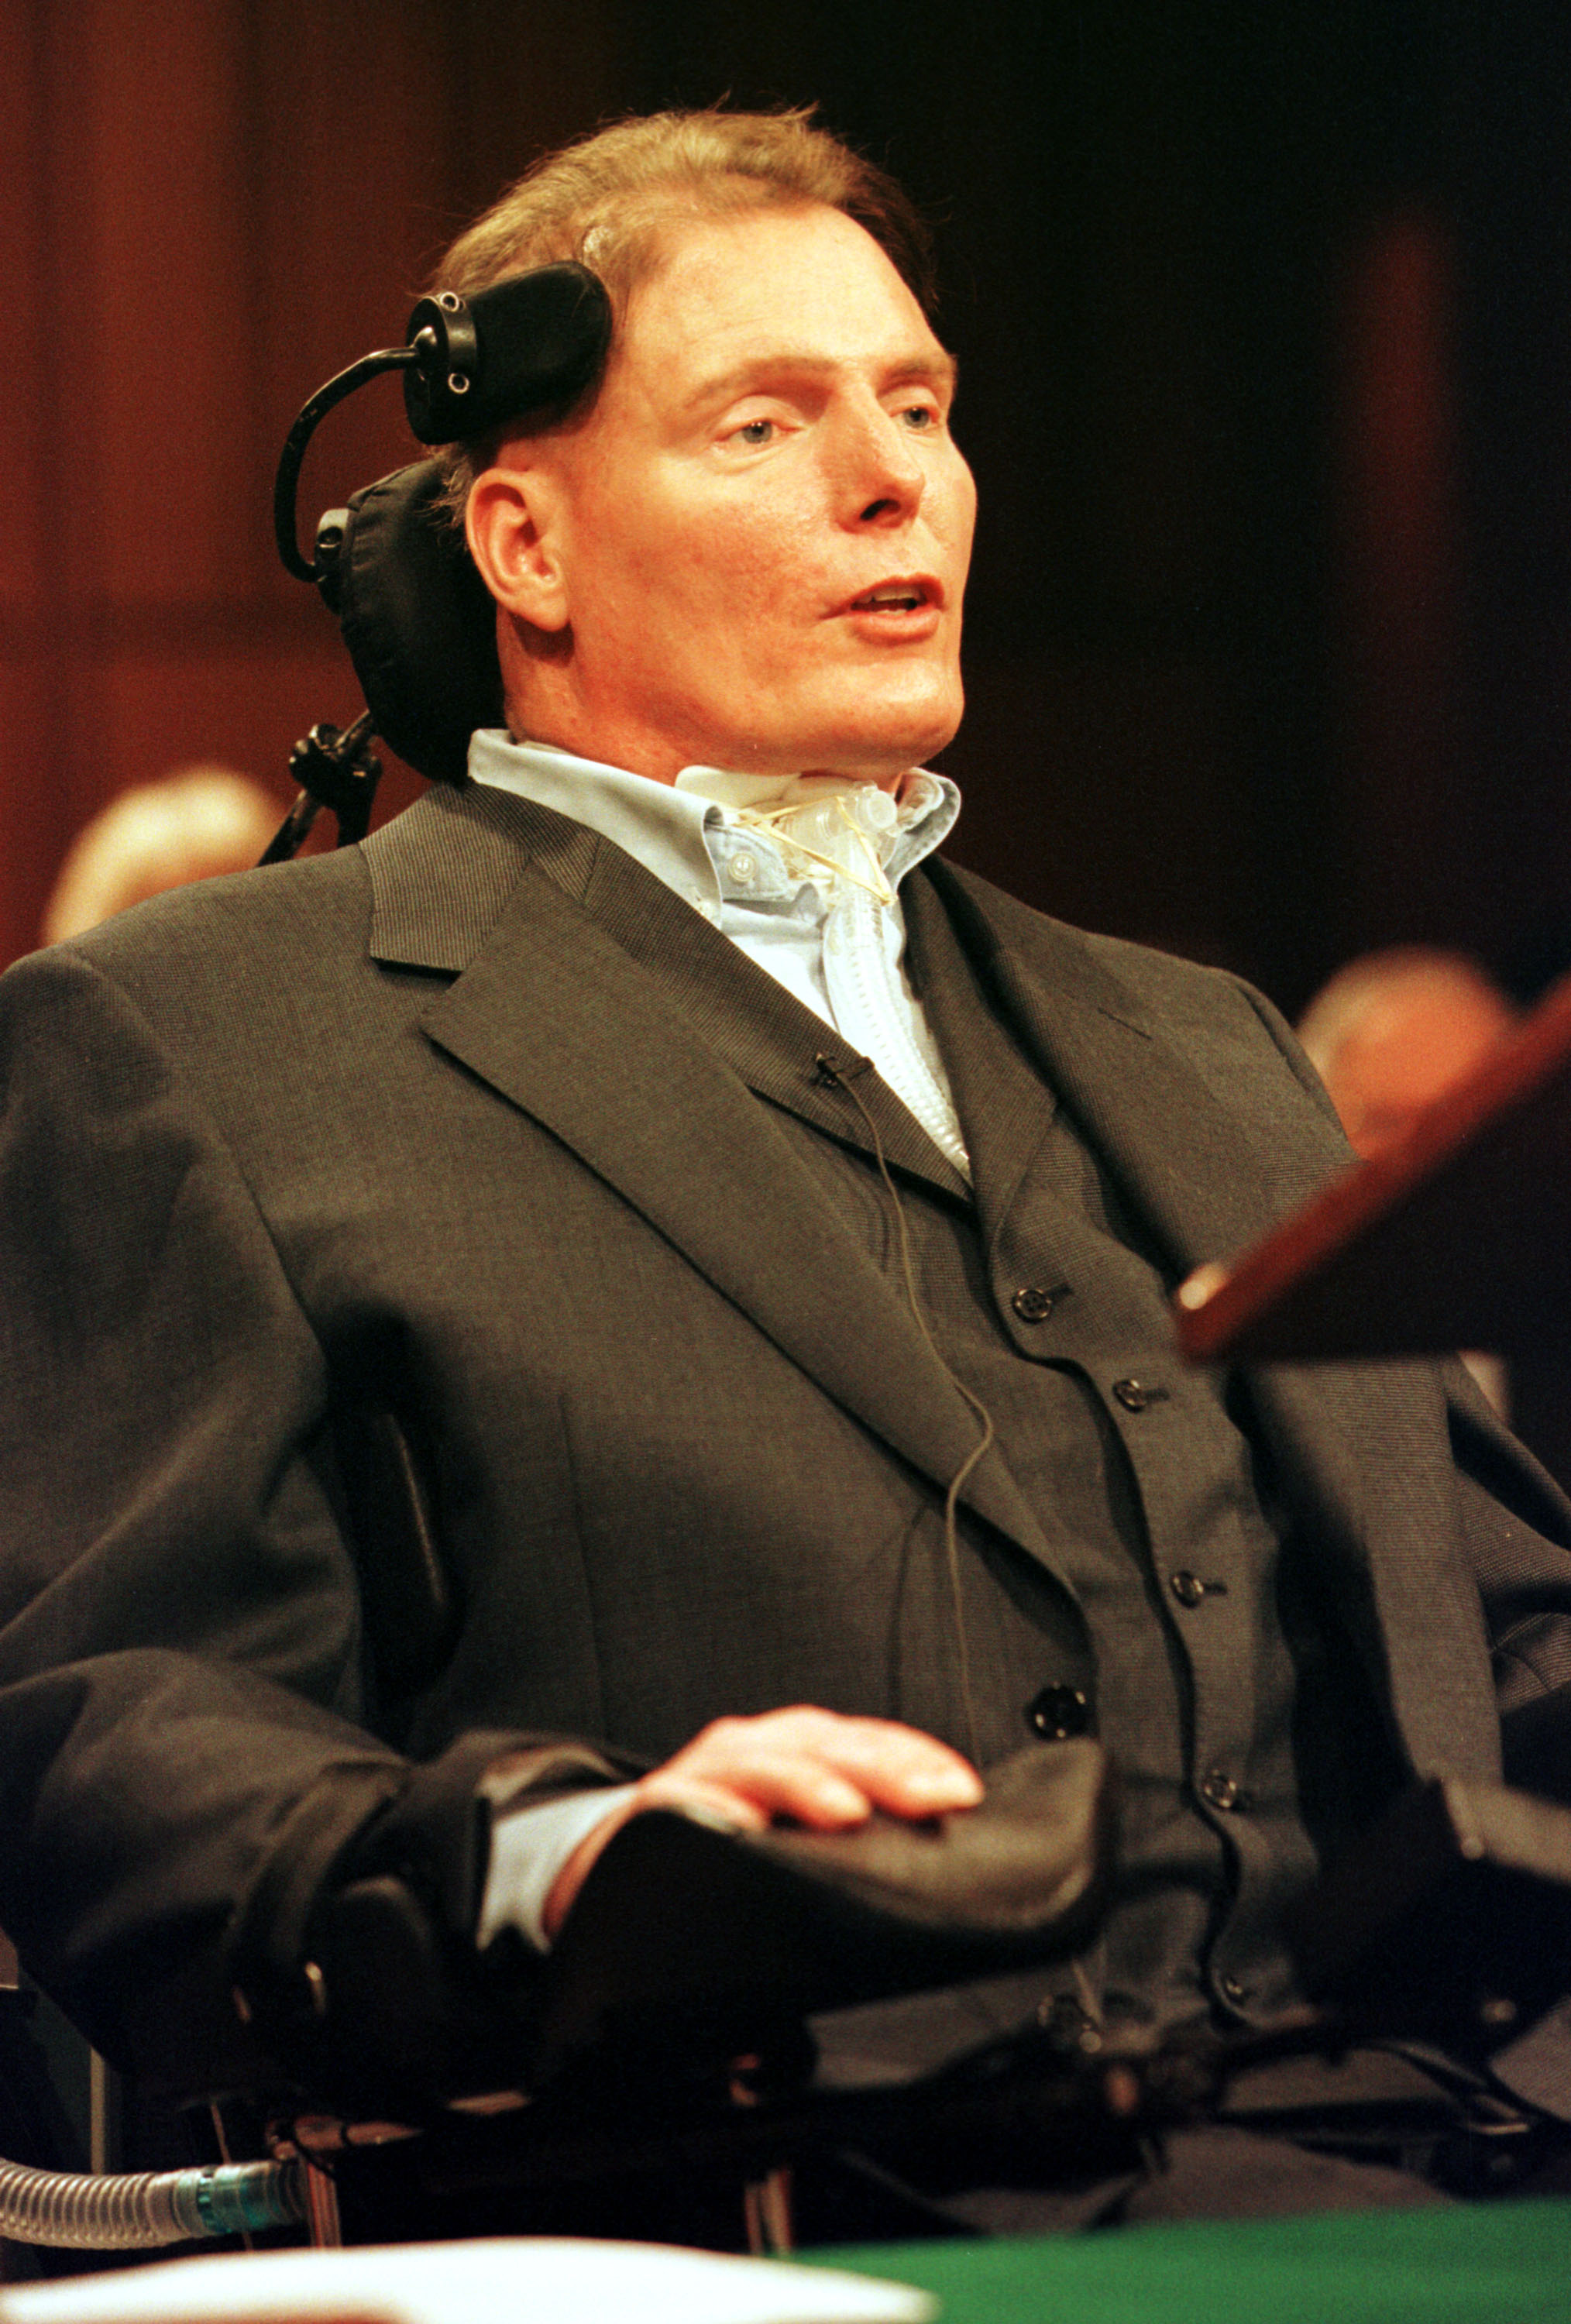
(1132, 1395)
(1186, 1588)
(1033, 1303)
(1058, 1712)
(1220, 1790)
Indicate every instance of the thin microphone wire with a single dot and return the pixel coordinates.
(832, 1074)
(1086, 1984)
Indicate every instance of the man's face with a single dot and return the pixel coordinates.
(760, 537)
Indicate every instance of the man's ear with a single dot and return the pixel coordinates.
(510, 523)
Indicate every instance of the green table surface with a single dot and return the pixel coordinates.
(1473, 2264)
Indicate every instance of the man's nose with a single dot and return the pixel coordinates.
(881, 477)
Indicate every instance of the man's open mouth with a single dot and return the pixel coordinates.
(894, 596)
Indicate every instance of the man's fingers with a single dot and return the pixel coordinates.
(825, 1770)
(760, 1787)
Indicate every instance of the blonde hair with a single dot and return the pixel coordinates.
(609, 200)
(1379, 985)
(189, 826)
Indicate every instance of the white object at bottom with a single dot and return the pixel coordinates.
(514, 2280)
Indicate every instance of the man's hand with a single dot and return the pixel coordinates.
(811, 1766)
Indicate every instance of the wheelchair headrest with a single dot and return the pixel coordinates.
(418, 620)
(418, 625)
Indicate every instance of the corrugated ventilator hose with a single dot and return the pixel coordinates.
(135, 2210)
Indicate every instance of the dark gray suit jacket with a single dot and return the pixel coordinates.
(467, 1110)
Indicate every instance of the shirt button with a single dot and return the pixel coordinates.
(1220, 1790)
(1058, 1712)
(1033, 1303)
(1234, 1991)
(1132, 1395)
(1186, 1588)
(743, 869)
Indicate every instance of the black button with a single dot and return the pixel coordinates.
(1132, 1395)
(1220, 1790)
(1186, 1588)
(1232, 1991)
(1058, 1712)
(1033, 1304)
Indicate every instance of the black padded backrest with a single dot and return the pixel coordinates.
(419, 623)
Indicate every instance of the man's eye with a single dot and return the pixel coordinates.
(919, 417)
(754, 432)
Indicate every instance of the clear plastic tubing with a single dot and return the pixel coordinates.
(135, 2210)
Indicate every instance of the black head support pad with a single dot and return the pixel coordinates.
(419, 623)
(519, 346)
(416, 619)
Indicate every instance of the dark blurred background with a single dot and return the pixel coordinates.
(1262, 316)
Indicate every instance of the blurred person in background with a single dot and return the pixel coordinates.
(1394, 1030)
(190, 824)
(1389, 1035)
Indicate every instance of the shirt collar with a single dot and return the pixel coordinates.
(661, 827)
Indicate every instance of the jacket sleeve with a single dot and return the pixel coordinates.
(186, 1775)
(1516, 1523)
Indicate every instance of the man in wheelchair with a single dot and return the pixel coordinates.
(639, 1287)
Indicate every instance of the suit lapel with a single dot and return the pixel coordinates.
(553, 1012)
(1160, 1116)
(751, 1022)
(1005, 1110)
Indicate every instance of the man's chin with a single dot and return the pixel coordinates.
(847, 732)
(881, 751)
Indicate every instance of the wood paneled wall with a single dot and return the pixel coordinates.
(213, 205)
(1265, 320)
(208, 207)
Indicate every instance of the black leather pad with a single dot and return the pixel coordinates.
(692, 1936)
(419, 623)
